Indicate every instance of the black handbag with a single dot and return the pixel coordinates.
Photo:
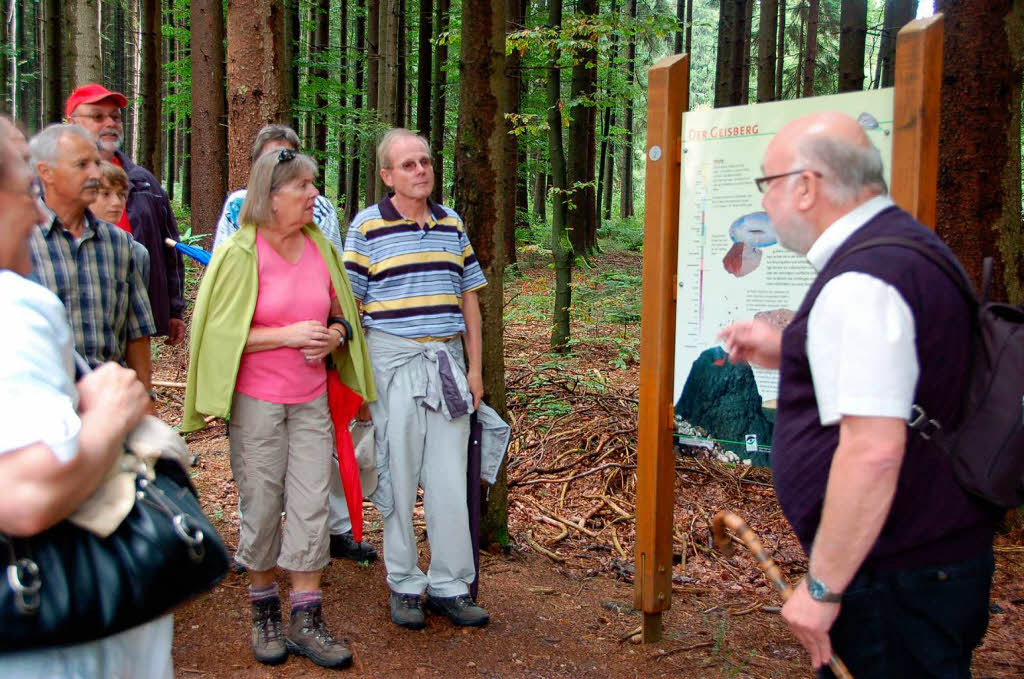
(67, 585)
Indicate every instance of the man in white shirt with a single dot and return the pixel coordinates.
(57, 438)
(900, 557)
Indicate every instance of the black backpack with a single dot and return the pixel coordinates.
(986, 447)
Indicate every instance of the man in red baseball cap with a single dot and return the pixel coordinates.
(148, 215)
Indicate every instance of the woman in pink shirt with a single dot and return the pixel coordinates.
(281, 433)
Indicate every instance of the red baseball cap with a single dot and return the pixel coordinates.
(92, 94)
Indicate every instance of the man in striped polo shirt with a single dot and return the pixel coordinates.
(414, 272)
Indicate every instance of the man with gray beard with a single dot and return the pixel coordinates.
(148, 215)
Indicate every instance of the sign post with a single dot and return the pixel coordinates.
(913, 186)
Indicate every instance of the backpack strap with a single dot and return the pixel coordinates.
(952, 271)
(919, 419)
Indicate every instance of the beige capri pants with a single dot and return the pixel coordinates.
(281, 460)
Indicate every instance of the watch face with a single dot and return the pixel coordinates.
(816, 588)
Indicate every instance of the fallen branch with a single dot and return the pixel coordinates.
(682, 649)
(172, 385)
(541, 550)
(610, 465)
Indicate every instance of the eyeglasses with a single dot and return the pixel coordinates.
(410, 165)
(285, 155)
(33, 192)
(763, 182)
(100, 117)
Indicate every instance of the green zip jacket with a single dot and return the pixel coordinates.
(223, 316)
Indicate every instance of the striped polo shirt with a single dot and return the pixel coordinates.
(410, 278)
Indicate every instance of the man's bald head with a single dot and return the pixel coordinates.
(835, 145)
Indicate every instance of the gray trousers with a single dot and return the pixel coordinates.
(338, 520)
(426, 450)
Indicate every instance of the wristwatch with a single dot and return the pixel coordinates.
(338, 320)
(819, 591)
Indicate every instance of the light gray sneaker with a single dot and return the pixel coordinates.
(308, 635)
(267, 643)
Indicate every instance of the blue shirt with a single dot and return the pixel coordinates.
(410, 278)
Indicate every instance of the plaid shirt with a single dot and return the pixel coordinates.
(96, 278)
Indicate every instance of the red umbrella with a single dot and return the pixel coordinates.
(344, 404)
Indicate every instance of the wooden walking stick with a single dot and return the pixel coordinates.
(726, 519)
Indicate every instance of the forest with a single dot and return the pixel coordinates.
(536, 115)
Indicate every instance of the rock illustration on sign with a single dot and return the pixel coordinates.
(750, 234)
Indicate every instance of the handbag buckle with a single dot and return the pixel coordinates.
(23, 577)
(921, 422)
(193, 537)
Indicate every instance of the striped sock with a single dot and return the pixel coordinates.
(304, 600)
(263, 593)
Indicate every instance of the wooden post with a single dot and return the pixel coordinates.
(915, 142)
(668, 97)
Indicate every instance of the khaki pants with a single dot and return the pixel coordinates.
(281, 460)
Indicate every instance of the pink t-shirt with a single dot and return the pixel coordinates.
(289, 293)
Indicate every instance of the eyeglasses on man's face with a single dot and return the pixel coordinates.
(763, 183)
(98, 118)
(410, 165)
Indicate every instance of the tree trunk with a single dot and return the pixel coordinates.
(387, 87)
(341, 188)
(744, 83)
(561, 247)
(609, 179)
(120, 82)
(400, 67)
(170, 88)
(209, 147)
(6, 67)
(811, 53)
(82, 58)
(186, 174)
(372, 84)
(582, 212)
(852, 39)
(27, 47)
(540, 193)
(515, 154)
(607, 151)
(440, 78)
(689, 26)
(292, 49)
(979, 186)
(800, 46)
(766, 50)
(732, 34)
(358, 63)
(897, 14)
(151, 90)
(322, 46)
(626, 191)
(483, 197)
(680, 31)
(423, 68)
(52, 66)
(781, 50)
(257, 83)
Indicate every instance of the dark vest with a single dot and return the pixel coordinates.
(932, 520)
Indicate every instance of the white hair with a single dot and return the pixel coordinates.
(43, 146)
(850, 167)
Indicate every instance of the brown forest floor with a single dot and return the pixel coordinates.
(561, 598)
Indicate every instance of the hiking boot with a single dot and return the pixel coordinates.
(267, 644)
(308, 635)
(406, 610)
(344, 546)
(237, 567)
(461, 610)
